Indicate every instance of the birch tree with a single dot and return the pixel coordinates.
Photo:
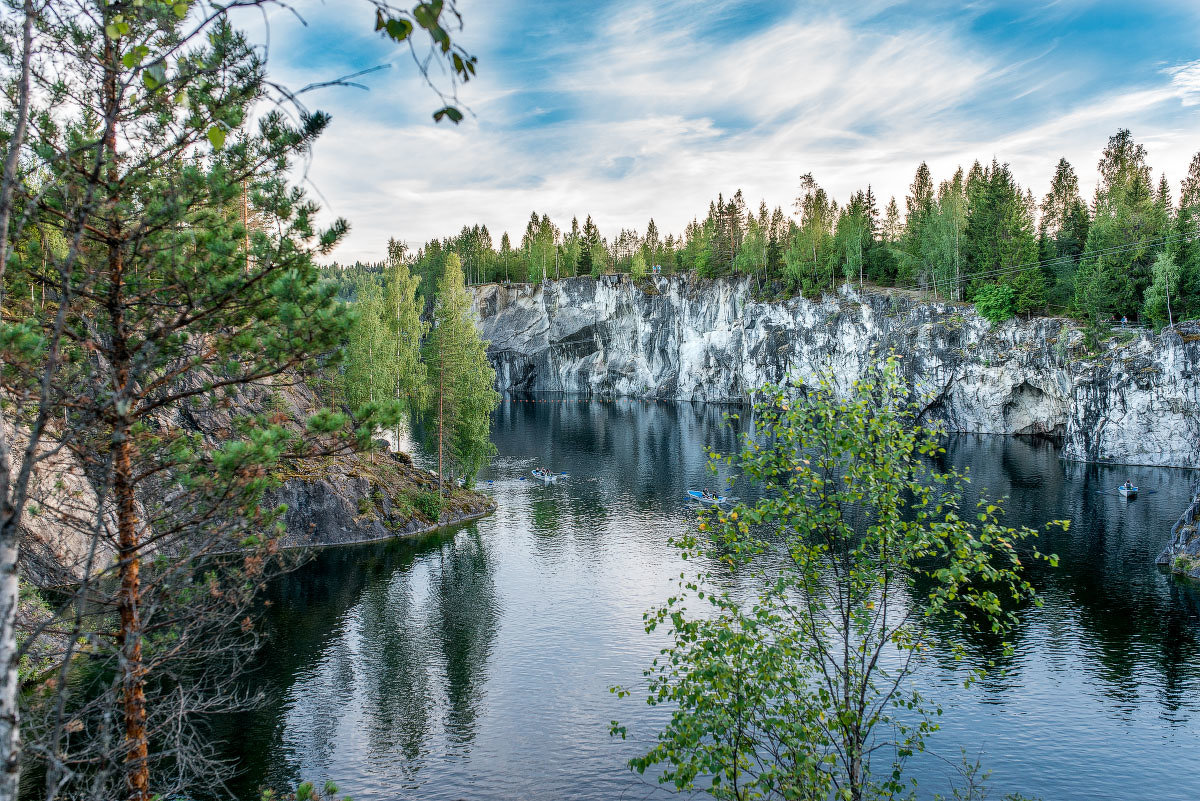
(461, 393)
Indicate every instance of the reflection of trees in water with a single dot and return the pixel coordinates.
(356, 633)
(464, 616)
(395, 682)
(1137, 625)
(545, 514)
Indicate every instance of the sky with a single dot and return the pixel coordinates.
(635, 110)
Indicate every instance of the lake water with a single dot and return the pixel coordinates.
(475, 664)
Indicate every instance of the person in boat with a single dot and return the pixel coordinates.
(1128, 485)
(708, 496)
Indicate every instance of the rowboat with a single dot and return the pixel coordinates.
(1128, 492)
(697, 495)
(546, 476)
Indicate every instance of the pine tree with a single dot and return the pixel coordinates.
(506, 253)
(651, 245)
(893, 226)
(590, 256)
(919, 202)
(1185, 244)
(1062, 233)
(1121, 247)
(1189, 190)
(1162, 296)
(166, 304)
(1124, 173)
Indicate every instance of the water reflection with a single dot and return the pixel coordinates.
(476, 664)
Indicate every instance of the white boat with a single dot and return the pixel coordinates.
(1128, 492)
(546, 477)
(715, 500)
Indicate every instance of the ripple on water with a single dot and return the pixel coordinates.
(476, 664)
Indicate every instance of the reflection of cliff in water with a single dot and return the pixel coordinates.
(1137, 624)
(652, 451)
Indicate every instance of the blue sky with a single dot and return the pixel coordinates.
(633, 110)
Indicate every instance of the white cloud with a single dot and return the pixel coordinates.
(661, 118)
(1186, 80)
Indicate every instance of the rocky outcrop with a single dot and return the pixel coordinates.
(1182, 553)
(684, 338)
(350, 497)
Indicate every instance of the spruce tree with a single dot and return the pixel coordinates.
(1123, 239)
(999, 242)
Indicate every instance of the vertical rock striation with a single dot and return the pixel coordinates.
(685, 338)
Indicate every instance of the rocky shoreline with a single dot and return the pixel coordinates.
(352, 497)
(369, 497)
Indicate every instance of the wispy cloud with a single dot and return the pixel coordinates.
(629, 110)
(1186, 80)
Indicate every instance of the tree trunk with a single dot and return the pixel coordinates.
(129, 636)
(12, 496)
(137, 750)
(441, 418)
(10, 720)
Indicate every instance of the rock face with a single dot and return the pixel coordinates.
(684, 338)
(1182, 553)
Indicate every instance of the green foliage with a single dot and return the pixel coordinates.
(638, 267)
(306, 791)
(1163, 295)
(995, 302)
(461, 393)
(972, 231)
(406, 329)
(368, 374)
(428, 504)
(790, 694)
(999, 241)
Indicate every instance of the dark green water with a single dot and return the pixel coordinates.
(476, 664)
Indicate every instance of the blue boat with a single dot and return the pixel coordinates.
(714, 500)
(1128, 490)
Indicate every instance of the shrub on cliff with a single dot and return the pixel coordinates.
(995, 302)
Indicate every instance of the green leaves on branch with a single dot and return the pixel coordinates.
(398, 29)
(873, 562)
(399, 26)
(135, 56)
